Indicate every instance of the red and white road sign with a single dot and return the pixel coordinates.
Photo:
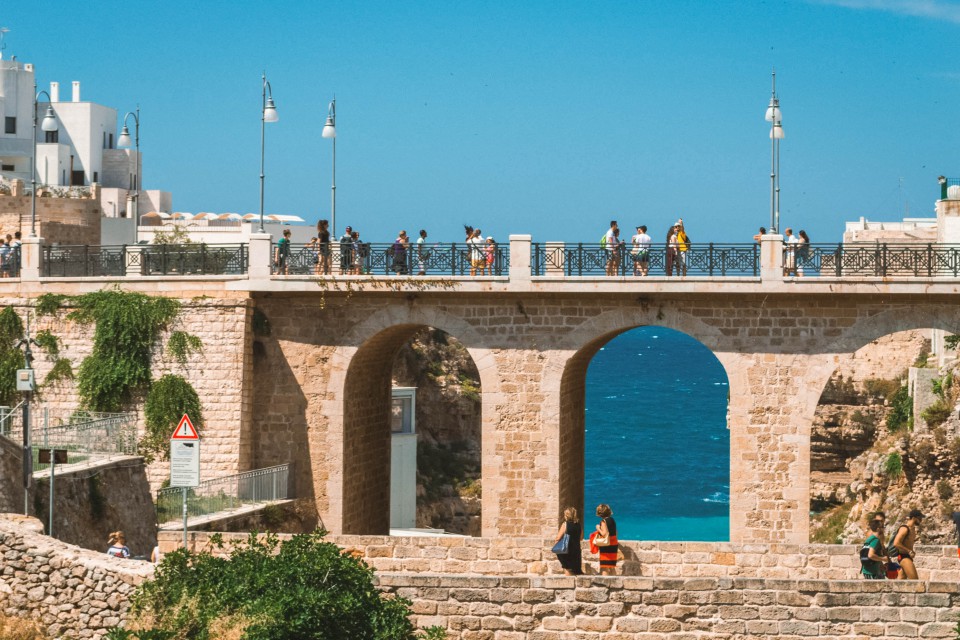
(185, 430)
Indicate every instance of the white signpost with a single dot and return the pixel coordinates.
(185, 462)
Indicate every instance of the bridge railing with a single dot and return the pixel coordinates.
(436, 259)
(71, 261)
(886, 260)
(88, 436)
(224, 494)
(709, 259)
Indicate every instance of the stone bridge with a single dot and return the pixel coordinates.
(316, 390)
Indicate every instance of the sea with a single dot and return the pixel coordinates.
(657, 443)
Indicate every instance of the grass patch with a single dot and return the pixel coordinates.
(832, 522)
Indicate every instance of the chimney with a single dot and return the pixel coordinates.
(54, 92)
(76, 91)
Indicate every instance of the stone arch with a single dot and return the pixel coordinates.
(567, 372)
(358, 407)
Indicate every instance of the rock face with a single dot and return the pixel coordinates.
(448, 428)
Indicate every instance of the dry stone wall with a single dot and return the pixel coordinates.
(73, 592)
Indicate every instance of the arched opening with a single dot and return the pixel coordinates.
(644, 429)
(886, 437)
(439, 447)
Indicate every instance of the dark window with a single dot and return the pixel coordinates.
(52, 136)
(105, 140)
(10, 126)
(111, 142)
(77, 179)
(95, 176)
(7, 167)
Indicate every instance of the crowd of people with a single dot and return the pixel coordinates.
(881, 559)
(603, 542)
(10, 255)
(676, 247)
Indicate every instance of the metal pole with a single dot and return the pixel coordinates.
(263, 107)
(333, 188)
(53, 466)
(27, 454)
(136, 181)
(184, 517)
(773, 156)
(33, 168)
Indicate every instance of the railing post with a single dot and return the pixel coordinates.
(31, 256)
(259, 268)
(133, 260)
(554, 258)
(709, 259)
(771, 258)
(519, 271)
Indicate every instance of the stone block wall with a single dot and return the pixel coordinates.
(73, 592)
(629, 608)
(59, 220)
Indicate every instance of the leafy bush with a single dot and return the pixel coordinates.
(937, 413)
(181, 345)
(893, 466)
(951, 342)
(901, 410)
(168, 399)
(878, 388)
(303, 588)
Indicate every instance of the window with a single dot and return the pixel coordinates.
(111, 142)
(105, 140)
(96, 176)
(10, 125)
(7, 167)
(77, 179)
(52, 136)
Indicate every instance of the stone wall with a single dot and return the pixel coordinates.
(532, 556)
(11, 471)
(59, 220)
(73, 592)
(628, 608)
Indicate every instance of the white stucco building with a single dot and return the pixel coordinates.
(82, 151)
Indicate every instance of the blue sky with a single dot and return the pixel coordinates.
(546, 118)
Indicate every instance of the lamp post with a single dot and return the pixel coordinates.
(773, 116)
(49, 124)
(124, 143)
(25, 383)
(330, 131)
(268, 113)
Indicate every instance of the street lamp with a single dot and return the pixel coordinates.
(773, 116)
(330, 131)
(49, 124)
(268, 113)
(124, 143)
(25, 383)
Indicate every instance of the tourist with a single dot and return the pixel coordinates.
(118, 545)
(803, 251)
(323, 247)
(400, 253)
(611, 243)
(671, 253)
(478, 260)
(281, 255)
(759, 234)
(357, 251)
(904, 541)
(491, 253)
(571, 561)
(6, 259)
(956, 523)
(422, 253)
(790, 256)
(346, 251)
(873, 556)
(314, 248)
(604, 540)
(683, 245)
(641, 251)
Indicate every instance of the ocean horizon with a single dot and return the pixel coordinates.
(657, 445)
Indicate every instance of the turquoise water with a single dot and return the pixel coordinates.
(657, 445)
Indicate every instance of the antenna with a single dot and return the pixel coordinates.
(3, 45)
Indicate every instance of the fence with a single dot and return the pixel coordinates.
(70, 261)
(87, 436)
(596, 259)
(223, 494)
(881, 260)
(435, 259)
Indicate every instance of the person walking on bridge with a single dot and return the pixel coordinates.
(904, 541)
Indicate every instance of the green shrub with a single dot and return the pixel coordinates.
(937, 413)
(168, 399)
(901, 410)
(951, 342)
(893, 466)
(181, 345)
(304, 588)
(877, 388)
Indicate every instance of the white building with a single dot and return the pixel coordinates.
(82, 150)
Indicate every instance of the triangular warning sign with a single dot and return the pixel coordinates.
(185, 430)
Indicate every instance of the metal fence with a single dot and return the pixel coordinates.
(87, 436)
(223, 494)
(596, 259)
(72, 261)
(437, 259)
(881, 260)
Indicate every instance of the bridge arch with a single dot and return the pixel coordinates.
(584, 344)
(360, 381)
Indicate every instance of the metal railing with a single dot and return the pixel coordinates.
(224, 494)
(879, 260)
(74, 261)
(595, 259)
(87, 436)
(434, 259)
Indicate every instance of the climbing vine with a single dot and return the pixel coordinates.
(168, 399)
(128, 325)
(11, 358)
(181, 345)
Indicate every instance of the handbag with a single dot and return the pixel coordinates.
(602, 541)
(563, 545)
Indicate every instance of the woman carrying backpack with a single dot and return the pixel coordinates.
(873, 555)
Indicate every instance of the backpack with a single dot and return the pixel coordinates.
(873, 568)
(892, 551)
